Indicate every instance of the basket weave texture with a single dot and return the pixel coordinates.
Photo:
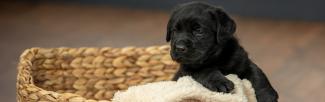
(89, 74)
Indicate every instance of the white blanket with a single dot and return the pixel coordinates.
(186, 90)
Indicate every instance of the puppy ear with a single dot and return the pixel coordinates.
(170, 25)
(226, 26)
(168, 31)
(171, 21)
(168, 37)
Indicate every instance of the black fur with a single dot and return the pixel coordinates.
(202, 41)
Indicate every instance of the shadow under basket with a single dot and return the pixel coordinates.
(89, 74)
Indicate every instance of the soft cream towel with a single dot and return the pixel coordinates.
(186, 89)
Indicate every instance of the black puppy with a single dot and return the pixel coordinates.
(203, 42)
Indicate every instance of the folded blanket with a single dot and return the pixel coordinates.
(186, 89)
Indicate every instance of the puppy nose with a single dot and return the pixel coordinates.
(180, 48)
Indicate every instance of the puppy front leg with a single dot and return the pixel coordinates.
(263, 89)
(214, 81)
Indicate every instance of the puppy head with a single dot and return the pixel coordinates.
(197, 30)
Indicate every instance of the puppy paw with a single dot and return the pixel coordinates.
(267, 96)
(223, 85)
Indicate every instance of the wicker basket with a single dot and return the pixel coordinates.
(88, 74)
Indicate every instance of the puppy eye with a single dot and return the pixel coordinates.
(198, 32)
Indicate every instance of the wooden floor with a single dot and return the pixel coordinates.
(291, 53)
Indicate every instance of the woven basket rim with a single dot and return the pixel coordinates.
(25, 63)
(26, 80)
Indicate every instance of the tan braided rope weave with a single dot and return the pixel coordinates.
(88, 74)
